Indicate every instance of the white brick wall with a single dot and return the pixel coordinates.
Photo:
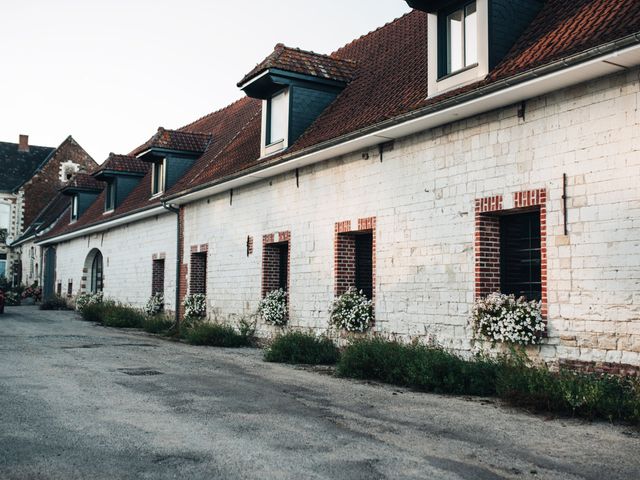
(127, 259)
(423, 193)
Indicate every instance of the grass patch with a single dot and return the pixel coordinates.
(214, 334)
(157, 324)
(122, 316)
(512, 378)
(302, 348)
(54, 302)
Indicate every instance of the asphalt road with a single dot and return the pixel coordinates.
(81, 401)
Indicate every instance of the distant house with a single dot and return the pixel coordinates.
(466, 148)
(30, 177)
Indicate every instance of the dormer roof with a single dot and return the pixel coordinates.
(121, 164)
(176, 140)
(82, 182)
(304, 62)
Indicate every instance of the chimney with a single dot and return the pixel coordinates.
(23, 145)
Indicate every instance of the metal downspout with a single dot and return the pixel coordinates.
(172, 208)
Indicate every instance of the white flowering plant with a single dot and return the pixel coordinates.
(352, 311)
(195, 305)
(84, 299)
(155, 304)
(273, 307)
(505, 318)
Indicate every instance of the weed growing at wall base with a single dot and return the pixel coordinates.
(512, 378)
(215, 335)
(302, 348)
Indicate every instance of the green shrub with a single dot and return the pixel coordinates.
(429, 369)
(157, 324)
(213, 334)
(567, 392)
(122, 316)
(513, 378)
(302, 348)
(95, 312)
(54, 302)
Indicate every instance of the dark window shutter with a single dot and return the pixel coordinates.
(364, 264)
(520, 266)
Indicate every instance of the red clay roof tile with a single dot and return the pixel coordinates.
(306, 63)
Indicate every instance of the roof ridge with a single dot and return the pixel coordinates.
(224, 148)
(325, 55)
(30, 146)
(376, 30)
(212, 113)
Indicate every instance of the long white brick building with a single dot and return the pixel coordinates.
(426, 166)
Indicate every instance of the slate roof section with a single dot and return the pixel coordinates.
(389, 80)
(178, 140)
(306, 63)
(18, 167)
(51, 214)
(122, 163)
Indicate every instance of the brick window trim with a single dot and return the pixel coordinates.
(487, 239)
(270, 260)
(344, 254)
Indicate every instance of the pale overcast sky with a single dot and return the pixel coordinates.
(111, 72)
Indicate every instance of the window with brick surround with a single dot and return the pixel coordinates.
(198, 273)
(275, 263)
(70, 288)
(157, 276)
(355, 257)
(510, 246)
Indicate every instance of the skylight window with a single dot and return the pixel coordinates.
(462, 38)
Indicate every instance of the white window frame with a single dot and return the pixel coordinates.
(161, 181)
(472, 73)
(8, 208)
(110, 193)
(279, 144)
(74, 208)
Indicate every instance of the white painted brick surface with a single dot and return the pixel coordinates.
(127, 259)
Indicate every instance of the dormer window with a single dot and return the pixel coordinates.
(466, 39)
(74, 208)
(276, 118)
(295, 87)
(110, 196)
(461, 31)
(158, 177)
(275, 122)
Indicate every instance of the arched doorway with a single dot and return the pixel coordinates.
(94, 268)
